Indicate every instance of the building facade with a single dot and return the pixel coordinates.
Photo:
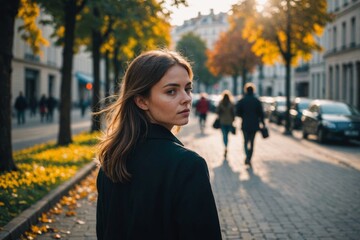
(342, 56)
(38, 75)
(335, 73)
(269, 79)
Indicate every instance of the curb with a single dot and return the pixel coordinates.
(22, 223)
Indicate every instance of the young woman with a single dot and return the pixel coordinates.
(226, 112)
(149, 185)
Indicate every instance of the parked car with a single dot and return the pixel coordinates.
(277, 110)
(331, 120)
(298, 105)
(266, 102)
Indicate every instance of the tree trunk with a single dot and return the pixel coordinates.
(96, 43)
(107, 77)
(288, 56)
(64, 136)
(243, 76)
(235, 93)
(8, 13)
(116, 65)
(261, 78)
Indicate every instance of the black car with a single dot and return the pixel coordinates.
(277, 110)
(298, 105)
(331, 120)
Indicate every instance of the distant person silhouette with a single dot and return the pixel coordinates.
(226, 113)
(202, 109)
(20, 106)
(42, 107)
(250, 110)
(33, 106)
(50, 104)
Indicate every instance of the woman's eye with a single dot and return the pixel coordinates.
(188, 90)
(171, 92)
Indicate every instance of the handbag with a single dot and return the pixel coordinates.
(264, 132)
(216, 123)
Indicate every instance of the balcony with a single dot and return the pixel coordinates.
(31, 57)
(302, 69)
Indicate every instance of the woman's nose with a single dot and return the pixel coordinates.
(187, 97)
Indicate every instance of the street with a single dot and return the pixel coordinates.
(34, 131)
(296, 189)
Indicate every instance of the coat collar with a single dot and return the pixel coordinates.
(156, 131)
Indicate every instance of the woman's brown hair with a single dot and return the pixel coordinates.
(126, 122)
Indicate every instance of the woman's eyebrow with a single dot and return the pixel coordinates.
(176, 84)
(171, 85)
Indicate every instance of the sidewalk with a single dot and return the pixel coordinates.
(34, 131)
(292, 191)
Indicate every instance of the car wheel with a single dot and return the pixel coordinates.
(321, 136)
(304, 134)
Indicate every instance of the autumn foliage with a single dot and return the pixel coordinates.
(232, 56)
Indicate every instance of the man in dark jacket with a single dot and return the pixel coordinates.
(20, 106)
(250, 110)
(50, 105)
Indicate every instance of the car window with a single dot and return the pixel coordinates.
(338, 108)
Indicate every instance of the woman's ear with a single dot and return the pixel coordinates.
(141, 102)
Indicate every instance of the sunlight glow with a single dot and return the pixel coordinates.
(261, 5)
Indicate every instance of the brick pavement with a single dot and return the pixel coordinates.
(291, 192)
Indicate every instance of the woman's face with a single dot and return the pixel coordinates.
(169, 103)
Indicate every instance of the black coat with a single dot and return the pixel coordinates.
(169, 195)
(249, 108)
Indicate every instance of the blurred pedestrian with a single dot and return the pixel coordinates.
(50, 104)
(250, 110)
(20, 106)
(42, 107)
(149, 185)
(202, 109)
(33, 106)
(83, 106)
(226, 112)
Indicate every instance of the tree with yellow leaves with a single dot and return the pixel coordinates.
(104, 25)
(232, 55)
(283, 30)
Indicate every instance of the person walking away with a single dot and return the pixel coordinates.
(226, 113)
(50, 104)
(149, 185)
(20, 106)
(202, 108)
(33, 106)
(83, 106)
(250, 110)
(42, 107)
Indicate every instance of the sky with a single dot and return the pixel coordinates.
(184, 13)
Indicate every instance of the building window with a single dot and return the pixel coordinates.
(51, 55)
(328, 40)
(31, 83)
(334, 38)
(345, 3)
(343, 40)
(331, 83)
(337, 5)
(353, 32)
(51, 85)
(337, 82)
